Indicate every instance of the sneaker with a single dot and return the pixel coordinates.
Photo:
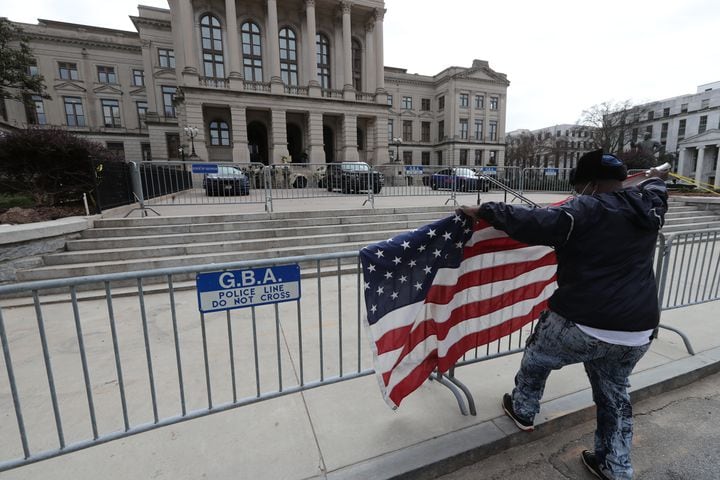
(591, 463)
(522, 423)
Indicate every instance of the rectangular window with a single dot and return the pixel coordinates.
(493, 103)
(117, 149)
(651, 115)
(478, 130)
(438, 158)
(425, 158)
(68, 71)
(649, 129)
(166, 57)
(703, 124)
(390, 100)
(425, 104)
(138, 77)
(479, 102)
(705, 103)
(683, 108)
(111, 112)
(463, 129)
(106, 74)
(74, 115)
(172, 140)
(391, 130)
(407, 130)
(35, 110)
(478, 157)
(168, 94)
(664, 130)
(666, 112)
(407, 157)
(634, 135)
(142, 108)
(425, 131)
(145, 152)
(407, 103)
(464, 100)
(32, 69)
(3, 109)
(681, 129)
(463, 156)
(492, 160)
(493, 131)
(441, 130)
(441, 103)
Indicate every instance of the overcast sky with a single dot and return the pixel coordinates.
(561, 57)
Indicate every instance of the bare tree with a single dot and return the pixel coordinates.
(526, 149)
(612, 123)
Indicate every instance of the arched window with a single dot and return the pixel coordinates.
(357, 65)
(212, 47)
(323, 60)
(288, 56)
(219, 133)
(252, 52)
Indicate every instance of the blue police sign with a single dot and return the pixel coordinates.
(413, 169)
(204, 168)
(489, 170)
(551, 172)
(247, 288)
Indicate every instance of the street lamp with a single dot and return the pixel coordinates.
(397, 141)
(192, 133)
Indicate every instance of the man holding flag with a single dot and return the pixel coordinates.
(605, 307)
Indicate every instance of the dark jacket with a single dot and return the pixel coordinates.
(605, 245)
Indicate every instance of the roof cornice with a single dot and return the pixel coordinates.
(83, 42)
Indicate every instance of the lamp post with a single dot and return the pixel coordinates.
(397, 141)
(192, 133)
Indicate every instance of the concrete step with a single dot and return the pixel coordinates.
(693, 219)
(684, 227)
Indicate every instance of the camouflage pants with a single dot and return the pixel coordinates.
(557, 342)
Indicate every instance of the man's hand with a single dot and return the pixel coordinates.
(657, 173)
(470, 211)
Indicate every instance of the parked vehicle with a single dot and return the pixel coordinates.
(228, 181)
(459, 179)
(353, 177)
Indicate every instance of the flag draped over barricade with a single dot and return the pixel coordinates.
(436, 292)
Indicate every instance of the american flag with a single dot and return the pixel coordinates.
(436, 292)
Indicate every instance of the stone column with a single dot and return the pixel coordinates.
(316, 150)
(177, 25)
(682, 161)
(699, 167)
(278, 140)
(370, 66)
(147, 52)
(379, 57)
(190, 72)
(240, 152)
(310, 49)
(233, 43)
(349, 135)
(717, 168)
(273, 48)
(348, 89)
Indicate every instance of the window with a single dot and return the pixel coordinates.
(441, 130)
(3, 109)
(681, 129)
(391, 130)
(32, 69)
(407, 130)
(111, 112)
(649, 129)
(425, 104)
(406, 103)
(666, 112)
(705, 103)
(168, 94)
(407, 157)
(252, 52)
(651, 115)
(438, 158)
(74, 115)
(425, 132)
(68, 71)
(425, 158)
(35, 110)
(212, 47)
(172, 140)
(106, 74)
(390, 100)
(664, 130)
(478, 157)
(145, 152)
(703, 124)
(463, 156)
(360, 139)
(117, 149)
(323, 59)
(219, 133)
(463, 129)
(166, 57)
(493, 131)
(634, 135)
(288, 56)
(478, 130)
(683, 108)
(441, 103)
(479, 102)
(493, 103)
(142, 108)
(357, 65)
(492, 160)
(138, 77)
(464, 99)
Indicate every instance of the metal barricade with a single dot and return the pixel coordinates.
(549, 179)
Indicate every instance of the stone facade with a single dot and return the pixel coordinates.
(267, 81)
(562, 145)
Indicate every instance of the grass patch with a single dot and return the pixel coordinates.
(10, 200)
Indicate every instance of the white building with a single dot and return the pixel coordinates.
(559, 146)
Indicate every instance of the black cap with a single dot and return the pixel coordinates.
(598, 166)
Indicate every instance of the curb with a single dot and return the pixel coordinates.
(447, 453)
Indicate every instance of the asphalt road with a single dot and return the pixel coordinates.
(677, 437)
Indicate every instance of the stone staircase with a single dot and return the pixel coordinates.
(122, 245)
